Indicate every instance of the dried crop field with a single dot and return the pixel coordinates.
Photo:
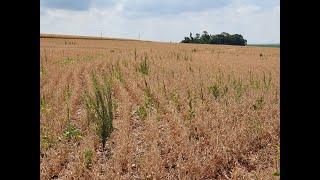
(180, 111)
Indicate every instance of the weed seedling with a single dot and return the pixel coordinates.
(142, 113)
(214, 90)
(191, 113)
(143, 67)
(175, 99)
(71, 132)
(201, 90)
(258, 104)
(135, 54)
(88, 158)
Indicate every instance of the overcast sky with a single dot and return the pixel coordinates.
(162, 20)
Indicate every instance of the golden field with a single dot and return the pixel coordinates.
(199, 112)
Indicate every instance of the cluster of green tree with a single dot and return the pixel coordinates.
(223, 38)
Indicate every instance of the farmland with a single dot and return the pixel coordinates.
(265, 45)
(180, 111)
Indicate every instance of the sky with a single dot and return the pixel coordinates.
(258, 21)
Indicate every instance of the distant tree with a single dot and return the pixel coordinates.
(197, 36)
(186, 40)
(225, 34)
(196, 39)
(205, 38)
(223, 38)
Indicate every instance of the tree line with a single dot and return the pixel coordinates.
(223, 38)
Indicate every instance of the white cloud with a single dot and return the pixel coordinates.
(255, 23)
(247, 9)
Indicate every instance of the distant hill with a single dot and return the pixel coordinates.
(266, 45)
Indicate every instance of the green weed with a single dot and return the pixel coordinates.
(214, 90)
(191, 112)
(258, 104)
(143, 67)
(142, 113)
(116, 71)
(44, 105)
(46, 140)
(88, 158)
(71, 131)
(100, 108)
(147, 95)
(175, 98)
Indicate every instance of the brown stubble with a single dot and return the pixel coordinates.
(225, 139)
